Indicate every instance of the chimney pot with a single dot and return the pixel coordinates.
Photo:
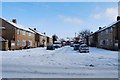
(118, 18)
(35, 29)
(100, 28)
(14, 21)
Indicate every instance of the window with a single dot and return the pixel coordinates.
(30, 43)
(0, 32)
(106, 31)
(29, 34)
(101, 42)
(111, 29)
(101, 33)
(23, 42)
(23, 32)
(18, 31)
(106, 41)
(110, 41)
(18, 42)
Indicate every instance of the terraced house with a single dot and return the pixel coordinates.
(41, 39)
(17, 36)
(107, 37)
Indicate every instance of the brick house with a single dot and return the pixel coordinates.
(41, 39)
(49, 40)
(46, 40)
(93, 39)
(17, 35)
(107, 37)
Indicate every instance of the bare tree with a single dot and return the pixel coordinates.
(85, 34)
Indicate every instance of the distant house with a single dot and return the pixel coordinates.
(107, 37)
(41, 39)
(46, 40)
(49, 40)
(93, 39)
(17, 35)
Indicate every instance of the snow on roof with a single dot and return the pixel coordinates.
(111, 25)
(2, 39)
(42, 34)
(24, 28)
(18, 26)
(35, 31)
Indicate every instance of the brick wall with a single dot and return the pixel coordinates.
(25, 37)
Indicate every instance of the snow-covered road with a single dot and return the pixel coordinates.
(60, 63)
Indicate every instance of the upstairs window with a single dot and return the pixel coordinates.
(101, 33)
(106, 31)
(29, 34)
(111, 29)
(18, 31)
(23, 32)
(0, 32)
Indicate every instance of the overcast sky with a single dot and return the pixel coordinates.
(62, 18)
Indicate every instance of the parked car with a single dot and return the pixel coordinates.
(42, 45)
(26, 47)
(50, 47)
(57, 45)
(76, 46)
(83, 48)
(71, 45)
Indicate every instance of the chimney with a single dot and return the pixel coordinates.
(35, 29)
(100, 28)
(44, 33)
(118, 18)
(14, 21)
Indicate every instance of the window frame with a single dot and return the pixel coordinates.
(18, 42)
(23, 32)
(23, 42)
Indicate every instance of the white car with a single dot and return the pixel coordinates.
(83, 48)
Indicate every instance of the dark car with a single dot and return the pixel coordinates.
(71, 45)
(50, 47)
(76, 46)
(42, 45)
(57, 45)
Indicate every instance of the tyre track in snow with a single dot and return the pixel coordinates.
(55, 71)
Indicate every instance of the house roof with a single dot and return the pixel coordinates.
(35, 31)
(2, 39)
(18, 26)
(111, 25)
(24, 28)
(42, 34)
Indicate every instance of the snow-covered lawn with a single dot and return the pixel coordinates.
(60, 63)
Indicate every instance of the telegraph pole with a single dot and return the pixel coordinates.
(75, 34)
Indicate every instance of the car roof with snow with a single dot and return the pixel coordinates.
(83, 45)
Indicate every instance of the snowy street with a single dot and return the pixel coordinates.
(60, 63)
